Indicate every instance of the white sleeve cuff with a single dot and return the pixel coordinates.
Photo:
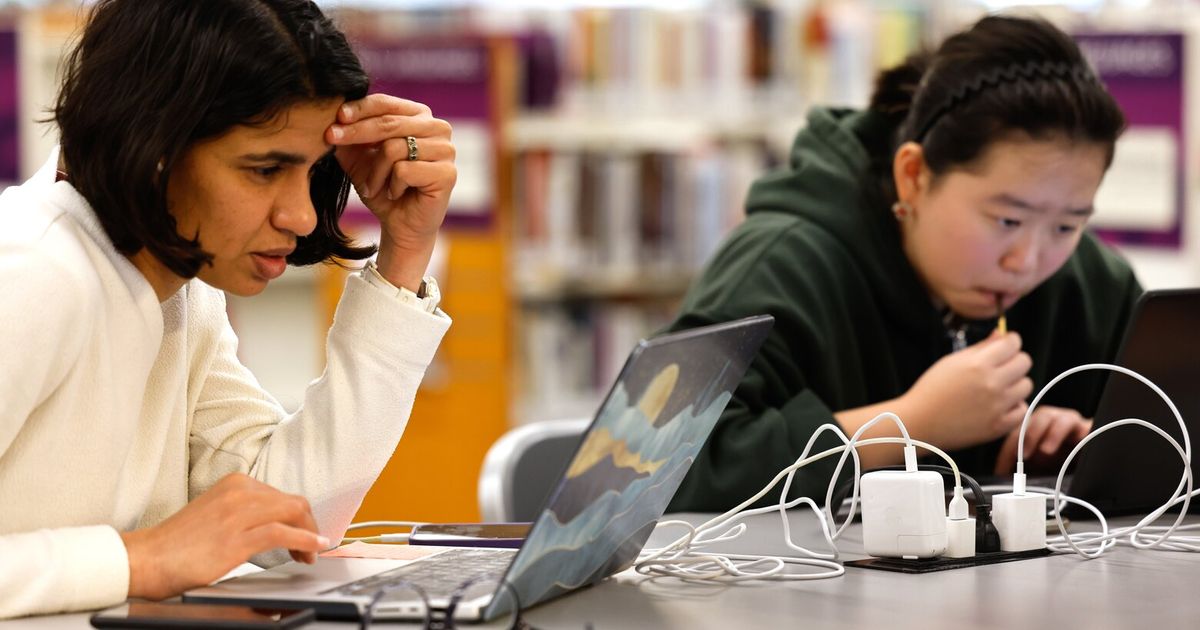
(371, 274)
(58, 570)
(99, 567)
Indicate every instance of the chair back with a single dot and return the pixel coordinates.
(523, 466)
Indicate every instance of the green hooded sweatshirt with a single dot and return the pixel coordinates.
(820, 250)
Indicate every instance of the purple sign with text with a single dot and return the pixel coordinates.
(10, 153)
(1145, 74)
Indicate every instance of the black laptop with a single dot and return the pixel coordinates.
(1131, 469)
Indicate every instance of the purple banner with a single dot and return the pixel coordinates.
(10, 151)
(1144, 72)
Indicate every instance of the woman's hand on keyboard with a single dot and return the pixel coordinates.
(222, 528)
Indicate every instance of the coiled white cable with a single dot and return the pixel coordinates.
(1097, 543)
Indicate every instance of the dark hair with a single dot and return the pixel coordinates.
(150, 78)
(1002, 75)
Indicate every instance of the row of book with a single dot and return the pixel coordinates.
(585, 216)
(733, 58)
(725, 56)
(618, 207)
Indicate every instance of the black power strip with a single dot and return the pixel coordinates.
(929, 565)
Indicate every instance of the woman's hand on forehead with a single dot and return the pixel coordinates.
(401, 161)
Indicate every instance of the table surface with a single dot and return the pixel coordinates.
(1124, 587)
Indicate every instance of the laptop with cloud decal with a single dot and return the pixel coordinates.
(644, 438)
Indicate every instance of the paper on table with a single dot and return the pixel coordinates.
(385, 552)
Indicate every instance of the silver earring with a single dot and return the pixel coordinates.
(160, 166)
(902, 210)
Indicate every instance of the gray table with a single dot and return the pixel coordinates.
(1122, 589)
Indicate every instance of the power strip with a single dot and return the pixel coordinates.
(930, 565)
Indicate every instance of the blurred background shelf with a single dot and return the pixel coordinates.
(647, 133)
(629, 285)
(605, 149)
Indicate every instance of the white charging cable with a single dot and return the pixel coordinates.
(382, 538)
(684, 559)
(1093, 544)
(1104, 540)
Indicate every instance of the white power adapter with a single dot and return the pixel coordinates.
(904, 514)
(1020, 517)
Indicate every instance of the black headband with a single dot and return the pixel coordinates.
(1028, 72)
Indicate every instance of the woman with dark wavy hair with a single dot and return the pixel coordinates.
(895, 242)
(205, 145)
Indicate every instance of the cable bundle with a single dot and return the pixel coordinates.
(686, 559)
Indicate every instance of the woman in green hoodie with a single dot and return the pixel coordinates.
(888, 250)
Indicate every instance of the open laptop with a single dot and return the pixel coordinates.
(1131, 469)
(627, 468)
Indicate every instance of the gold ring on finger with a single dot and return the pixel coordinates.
(412, 148)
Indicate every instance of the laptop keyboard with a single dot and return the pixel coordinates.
(439, 576)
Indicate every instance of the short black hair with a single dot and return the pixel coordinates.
(149, 79)
(1002, 75)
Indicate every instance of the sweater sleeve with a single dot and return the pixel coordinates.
(332, 449)
(42, 307)
(773, 412)
(758, 435)
(62, 569)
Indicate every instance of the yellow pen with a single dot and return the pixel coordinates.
(1001, 320)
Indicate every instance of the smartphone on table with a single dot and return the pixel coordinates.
(509, 535)
(190, 615)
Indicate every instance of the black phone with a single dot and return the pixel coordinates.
(190, 615)
(470, 534)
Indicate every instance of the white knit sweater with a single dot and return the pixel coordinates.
(116, 410)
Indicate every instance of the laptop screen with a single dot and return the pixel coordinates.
(1131, 469)
(632, 459)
